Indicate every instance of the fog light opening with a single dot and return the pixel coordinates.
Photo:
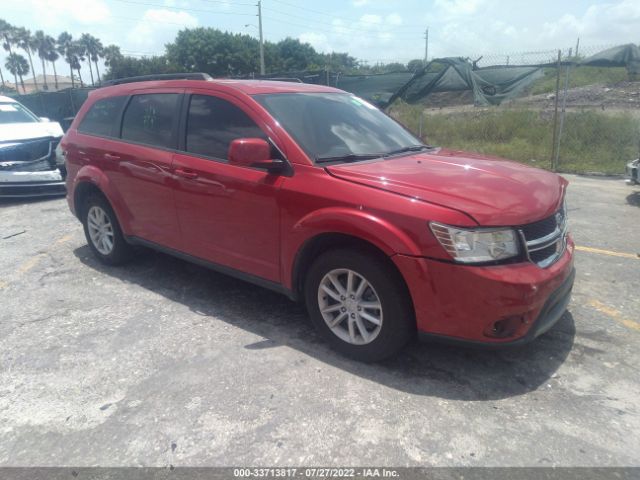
(504, 328)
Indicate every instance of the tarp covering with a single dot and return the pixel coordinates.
(622, 56)
(379, 89)
(490, 86)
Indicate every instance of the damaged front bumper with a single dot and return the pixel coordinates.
(31, 184)
(31, 169)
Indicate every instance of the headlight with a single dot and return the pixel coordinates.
(477, 245)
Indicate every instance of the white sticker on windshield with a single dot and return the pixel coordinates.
(8, 108)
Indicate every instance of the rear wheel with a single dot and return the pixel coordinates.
(103, 232)
(360, 304)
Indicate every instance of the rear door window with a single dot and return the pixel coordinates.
(151, 119)
(101, 117)
(213, 123)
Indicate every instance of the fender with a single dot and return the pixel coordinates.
(95, 176)
(348, 221)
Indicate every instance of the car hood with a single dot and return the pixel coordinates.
(26, 131)
(493, 191)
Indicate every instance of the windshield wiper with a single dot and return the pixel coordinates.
(351, 157)
(411, 148)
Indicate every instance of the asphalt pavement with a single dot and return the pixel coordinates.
(164, 363)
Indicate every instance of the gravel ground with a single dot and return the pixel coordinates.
(165, 363)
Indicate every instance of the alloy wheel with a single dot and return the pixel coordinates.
(350, 306)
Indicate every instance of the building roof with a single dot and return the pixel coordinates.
(50, 79)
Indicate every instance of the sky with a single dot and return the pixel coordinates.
(370, 30)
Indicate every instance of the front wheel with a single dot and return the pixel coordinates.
(360, 304)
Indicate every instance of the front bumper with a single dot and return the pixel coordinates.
(31, 184)
(464, 303)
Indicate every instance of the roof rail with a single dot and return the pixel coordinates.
(160, 76)
(282, 79)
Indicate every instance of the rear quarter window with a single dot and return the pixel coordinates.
(101, 117)
(151, 119)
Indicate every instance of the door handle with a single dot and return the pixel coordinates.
(110, 156)
(185, 173)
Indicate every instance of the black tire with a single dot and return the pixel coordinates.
(398, 319)
(121, 251)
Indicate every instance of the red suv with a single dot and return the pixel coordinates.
(315, 193)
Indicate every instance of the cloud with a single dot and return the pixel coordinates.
(59, 12)
(459, 7)
(600, 23)
(370, 33)
(319, 41)
(158, 27)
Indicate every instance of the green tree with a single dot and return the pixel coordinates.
(94, 49)
(295, 55)
(124, 66)
(111, 55)
(26, 43)
(42, 45)
(53, 56)
(213, 51)
(339, 62)
(79, 55)
(415, 65)
(19, 66)
(89, 44)
(7, 34)
(65, 48)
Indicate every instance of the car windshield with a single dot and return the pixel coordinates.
(15, 113)
(337, 127)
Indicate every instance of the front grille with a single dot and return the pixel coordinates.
(28, 155)
(545, 240)
(541, 228)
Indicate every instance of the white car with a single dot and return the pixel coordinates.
(28, 163)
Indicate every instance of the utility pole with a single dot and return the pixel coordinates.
(262, 72)
(577, 46)
(426, 45)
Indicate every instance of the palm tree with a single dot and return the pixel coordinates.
(79, 56)
(85, 44)
(65, 49)
(7, 34)
(93, 48)
(42, 45)
(52, 56)
(25, 42)
(19, 66)
(96, 54)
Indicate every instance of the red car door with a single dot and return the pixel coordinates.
(228, 215)
(139, 165)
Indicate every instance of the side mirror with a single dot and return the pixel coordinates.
(255, 153)
(44, 119)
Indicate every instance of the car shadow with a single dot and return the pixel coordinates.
(437, 370)
(634, 199)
